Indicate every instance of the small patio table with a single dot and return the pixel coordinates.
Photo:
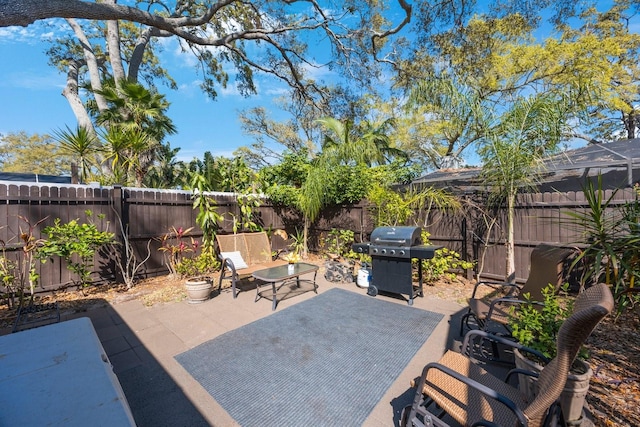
(287, 274)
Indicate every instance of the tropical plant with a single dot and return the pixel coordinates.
(610, 233)
(184, 256)
(136, 123)
(391, 208)
(30, 245)
(17, 275)
(82, 145)
(208, 217)
(7, 274)
(367, 144)
(76, 243)
(297, 244)
(175, 245)
(511, 153)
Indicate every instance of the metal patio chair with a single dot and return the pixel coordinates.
(547, 266)
(458, 387)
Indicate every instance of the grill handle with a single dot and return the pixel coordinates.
(399, 241)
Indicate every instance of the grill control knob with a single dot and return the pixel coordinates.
(384, 251)
(401, 253)
(374, 250)
(392, 252)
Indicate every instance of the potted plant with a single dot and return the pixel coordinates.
(183, 260)
(536, 325)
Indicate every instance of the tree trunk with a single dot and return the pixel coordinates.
(305, 251)
(138, 54)
(92, 63)
(70, 92)
(115, 56)
(510, 244)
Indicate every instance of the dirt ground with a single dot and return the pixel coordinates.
(614, 394)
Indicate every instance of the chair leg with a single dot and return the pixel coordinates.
(220, 282)
(233, 285)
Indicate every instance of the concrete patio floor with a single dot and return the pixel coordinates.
(141, 343)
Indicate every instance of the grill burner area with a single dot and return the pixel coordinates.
(391, 250)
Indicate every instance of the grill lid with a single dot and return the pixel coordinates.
(396, 236)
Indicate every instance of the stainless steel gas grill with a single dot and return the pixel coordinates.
(391, 250)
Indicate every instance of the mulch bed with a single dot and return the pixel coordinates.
(614, 393)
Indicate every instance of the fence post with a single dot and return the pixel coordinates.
(122, 225)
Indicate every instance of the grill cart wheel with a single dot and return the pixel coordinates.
(372, 290)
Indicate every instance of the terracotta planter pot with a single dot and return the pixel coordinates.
(198, 289)
(574, 393)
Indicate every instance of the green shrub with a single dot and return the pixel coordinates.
(536, 326)
(199, 265)
(76, 243)
(442, 264)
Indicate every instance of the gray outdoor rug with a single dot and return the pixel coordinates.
(325, 361)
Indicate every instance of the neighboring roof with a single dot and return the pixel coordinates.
(34, 177)
(618, 161)
(618, 153)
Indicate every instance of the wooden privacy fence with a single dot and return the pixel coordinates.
(147, 214)
(539, 218)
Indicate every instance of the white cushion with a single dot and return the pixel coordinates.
(236, 258)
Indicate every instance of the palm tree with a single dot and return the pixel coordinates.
(512, 151)
(80, 143)
(141, 114)
(369, 144)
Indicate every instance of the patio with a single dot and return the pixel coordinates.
(141, 343)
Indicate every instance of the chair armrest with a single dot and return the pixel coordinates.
(493, 285)
(476, 334)
(475, 385)
(226, 262)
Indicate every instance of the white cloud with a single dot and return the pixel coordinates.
(34, 33)
(18, 35)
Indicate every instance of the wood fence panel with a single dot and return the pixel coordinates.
(149, 213)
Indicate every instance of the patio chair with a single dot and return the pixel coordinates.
(547, 266)
(470, 395)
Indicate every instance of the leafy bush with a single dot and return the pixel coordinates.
(443, 263)
(339, 242)
(199, 265)
(536, 325)
(76, 243)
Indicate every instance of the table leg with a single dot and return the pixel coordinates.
(315, 284)
(275, 296)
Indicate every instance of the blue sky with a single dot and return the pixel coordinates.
(32, 101)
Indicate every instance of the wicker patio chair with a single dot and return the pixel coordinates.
(547, 266)
(470, 395)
